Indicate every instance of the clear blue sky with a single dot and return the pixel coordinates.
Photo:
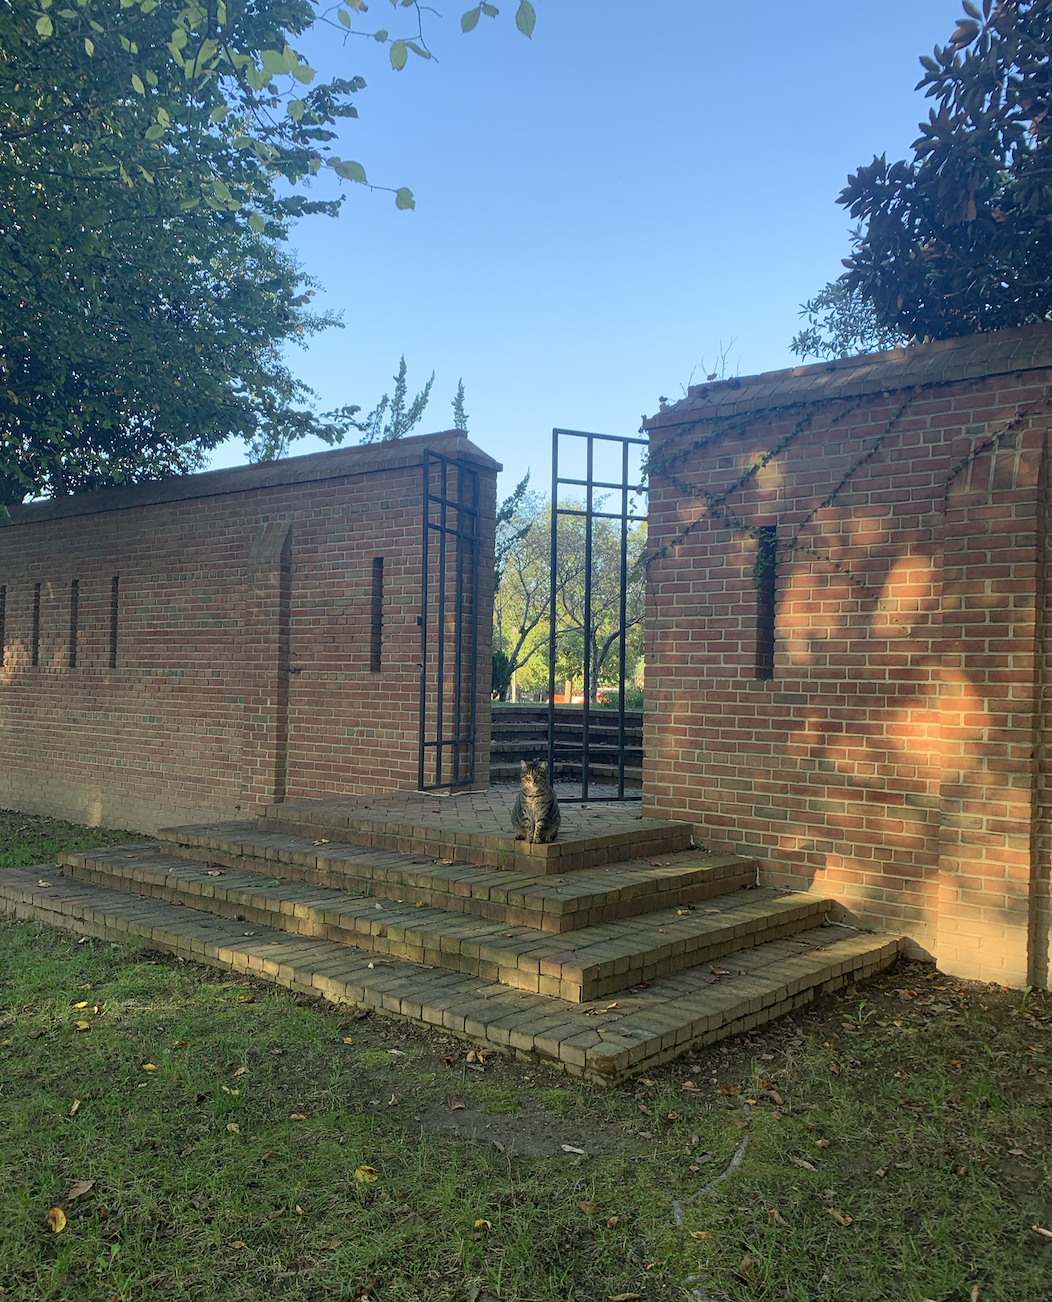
(598, 207)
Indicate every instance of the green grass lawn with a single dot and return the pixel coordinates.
(222, 1124)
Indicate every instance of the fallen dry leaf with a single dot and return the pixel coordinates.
(238, 1244)
(746, 1263)
(233, 1128)
(483, 1224)
(901, 1075)
(688, 1085)
(149, 1066)
(701, 1234)
(728, 1089)
(803, 1163)
(34, 1035)
(1040, 1229)
(821, 1143)
(297, 1116)
(624, 1297)
(455, 1105)
(839, 1216)
(75, 1108)
(83, 1004)
(41, 882)
(227, 1090)
(569, 1148)
(587, 1206)
(56, 1218)
(241, 1071)
(648, 1083)
(80, 1189)
(776, 1218)
(80, 1026)
(366, 1174)
(348, 1039)
(392, 1102)
(775, 1097)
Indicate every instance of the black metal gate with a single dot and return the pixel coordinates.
(616, 459)
(449, 632)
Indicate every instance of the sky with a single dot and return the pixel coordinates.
(600, 209)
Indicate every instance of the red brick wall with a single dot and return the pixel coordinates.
(244, 638)
(897, 759)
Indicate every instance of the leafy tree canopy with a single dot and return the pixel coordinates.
(959, 239)
(150, 152)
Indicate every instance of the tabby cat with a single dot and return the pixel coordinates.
(536, 812)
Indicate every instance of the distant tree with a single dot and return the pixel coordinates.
(528, 586)
(400, 419)
(460, 416)
(959, 240)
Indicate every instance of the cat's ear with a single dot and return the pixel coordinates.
(525, 768)
(542, 765)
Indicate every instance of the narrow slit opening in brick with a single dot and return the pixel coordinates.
(35, 644)
(74, 601)
(766, 575)
(377, 629)
(3, 623)
(114, 594)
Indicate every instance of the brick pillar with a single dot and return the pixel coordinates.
(265, 644)
(990, 715)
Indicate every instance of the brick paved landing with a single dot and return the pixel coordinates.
(477, 826)
(641, 1028)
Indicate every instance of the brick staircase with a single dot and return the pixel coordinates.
(427, 908)
(520, 732)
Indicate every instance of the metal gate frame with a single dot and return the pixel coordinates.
(459, 731)
(590, 484)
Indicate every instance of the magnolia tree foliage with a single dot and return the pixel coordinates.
(150, 154)
(959, 239)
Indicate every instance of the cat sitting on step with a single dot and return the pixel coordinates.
(536, 813)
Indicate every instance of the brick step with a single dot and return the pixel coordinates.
(566, 716)
(476, 826)
(545, 903)
(605, 733)
(648, 1027)
(567, 771)
(586, 964)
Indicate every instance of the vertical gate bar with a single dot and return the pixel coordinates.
(586, 713)
(475, 548)
(458, 615)
(553, 570)
(423, 617)
(624, 631)
(440, 711)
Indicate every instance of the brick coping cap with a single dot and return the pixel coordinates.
(973, 357)
(340, 463)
